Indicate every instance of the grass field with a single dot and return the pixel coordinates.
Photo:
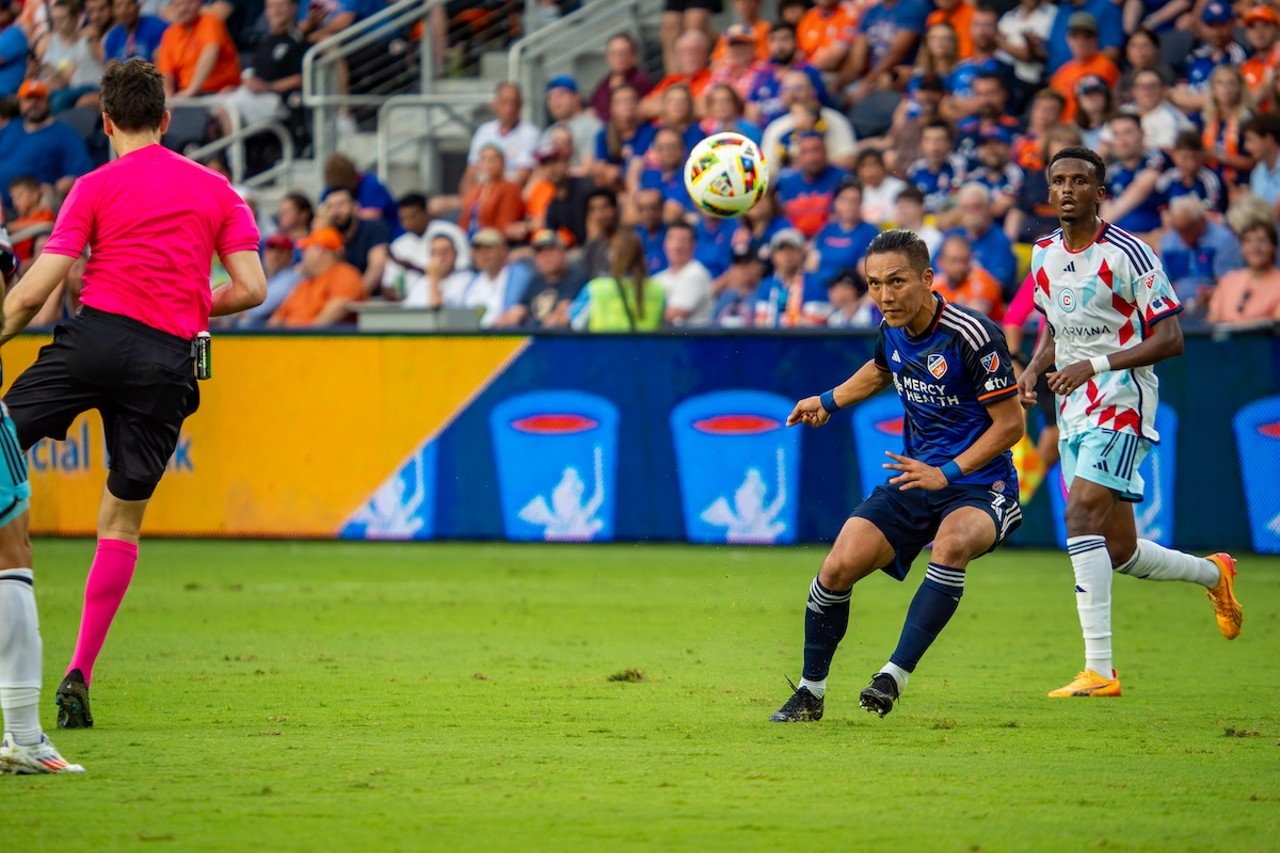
(328, 696)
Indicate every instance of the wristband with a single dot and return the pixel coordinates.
(828, 400)
(951, 471)
(1100, 364)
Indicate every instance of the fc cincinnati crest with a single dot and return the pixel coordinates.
(1067, 299)
(937, 366)
(991, 362)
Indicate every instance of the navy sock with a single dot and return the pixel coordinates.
(826, 618)
(934, 603)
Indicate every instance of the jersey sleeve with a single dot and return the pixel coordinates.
(1152, 291)
(239, 232)
(879, 358)
(987, 362)
(74, 224)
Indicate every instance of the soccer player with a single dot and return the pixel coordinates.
(955, 484)
(153, 221)
(1111, 314)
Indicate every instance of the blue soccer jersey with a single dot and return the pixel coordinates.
(937, 186)
(946, 379)
(1146, 216)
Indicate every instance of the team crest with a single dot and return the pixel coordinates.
(937, 365)
(998, 487)
(991, 362)
(1067, 299)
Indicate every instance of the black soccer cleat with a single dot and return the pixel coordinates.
(878, 696)
(802, 707)
(72, 699)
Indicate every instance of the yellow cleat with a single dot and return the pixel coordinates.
(1226, 609)
(1089, 683)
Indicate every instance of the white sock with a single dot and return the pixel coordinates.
(1092, 567)
(20, 660)
(899, 674)
(817, 688)
(1154, 562)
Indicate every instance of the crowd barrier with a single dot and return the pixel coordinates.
(624, 438)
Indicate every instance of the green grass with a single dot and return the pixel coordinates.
(319, 696)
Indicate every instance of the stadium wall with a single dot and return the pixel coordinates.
(661, 437)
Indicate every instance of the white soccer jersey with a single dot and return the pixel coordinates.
(1098, 301)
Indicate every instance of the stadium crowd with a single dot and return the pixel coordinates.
(937, 117)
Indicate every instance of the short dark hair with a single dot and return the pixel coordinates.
(868, 154)
(940, 124)
(911, 192)
(302, 202)
(681, 225)
(992, 75)
(1264, 124)
(133, 95)
(1128, 115)
(24, 182)
(413, 199)
(782, 26)
(1079, 152)
(902, 242)
(1188, 140)
(605, 193)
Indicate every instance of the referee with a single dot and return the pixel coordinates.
(152, 221)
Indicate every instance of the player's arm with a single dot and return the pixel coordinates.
(1044, 357)
(31, 293)
(870, 379)
(247, 288)
(1008, 425)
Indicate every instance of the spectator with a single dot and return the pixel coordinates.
(909, 214)
(651, 228)
(962, 281)
(622, 139)
(624, 299)
(806, 192)
(495, 286)
(1095, 105)
(991, 248)
(1219, 47)
(851, 304)
(1262, 32)
(1157, 15)
(602, 227)
(725, 112)
(1033, 216)
(1021, 35)
(939, 171)
(1086, 61)
(1133, 202)
(686, 283)
(13, 49)
(364, 240)
(746, 14)
(995, 171)
(283, 275)
(676, 112)
(1190, 176)
(408, 254)
(557, 198)
(957, 14)
(684, 16)
(757, 227)
(40, 146)
(564, 108)
(274, 76)
(294, 214)
(1253, 293)
(29, 210)
(551, 290)
(736, 305)
(1108, 23)
(69, 61)
(1223, 121)
(442, 276)
(620, 55)
(780, 143)
(789, 299)
(328, 288)
(1047, 108)
(1196, 252)
(1161, 120)
(134, 34)
(323, 19)
(824, 35)
(901, 145)
(844, 239)
(1142, 52)
(886, 39)
(493, 201)
(692, 69)
(1262, 141)
(373, 200)
(764, 103)
(196, 53)
(739, 66)
(982, 62)
(880, 190)
(990, 100)
(515, 139)
(791, 11)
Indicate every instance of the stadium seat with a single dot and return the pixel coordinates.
(873, 115)
(188, 129)
(87, 123)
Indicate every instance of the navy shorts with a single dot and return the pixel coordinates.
(910, 519)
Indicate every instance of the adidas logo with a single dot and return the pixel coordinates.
(897, 357)
(1102, 466)
(1071, 267)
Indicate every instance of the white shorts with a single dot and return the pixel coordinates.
(252, 107)
(1108, 458)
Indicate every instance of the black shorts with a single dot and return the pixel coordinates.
(715, 7)
(1046, 401)
(910, 519)
(141, 380)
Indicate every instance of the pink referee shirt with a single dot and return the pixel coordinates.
(152, 220)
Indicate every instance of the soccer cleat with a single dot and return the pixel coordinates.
(43, 757)
(1226, 609)
(878, 696)
(72, 699)
(802, 707)
(1089, 683)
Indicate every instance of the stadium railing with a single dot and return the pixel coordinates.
(281, 171)
(438, 111)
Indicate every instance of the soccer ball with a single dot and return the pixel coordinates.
(726, 175)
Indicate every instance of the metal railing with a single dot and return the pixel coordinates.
(236, 163)
(439, 111)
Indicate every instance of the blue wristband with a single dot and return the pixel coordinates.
(828, 400)
(951, 471)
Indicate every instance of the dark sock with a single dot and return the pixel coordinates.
(934, 603)
(826, 618)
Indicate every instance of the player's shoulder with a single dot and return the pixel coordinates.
(1119, 245)
(1049, 241)
(972, 328)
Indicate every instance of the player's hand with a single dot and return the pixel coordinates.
(809, 411)
(1069, 378)
(915, 474)
(1027, 395)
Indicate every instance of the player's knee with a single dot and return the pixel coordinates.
(1086, 516)
(953, 552)
(127, 489)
